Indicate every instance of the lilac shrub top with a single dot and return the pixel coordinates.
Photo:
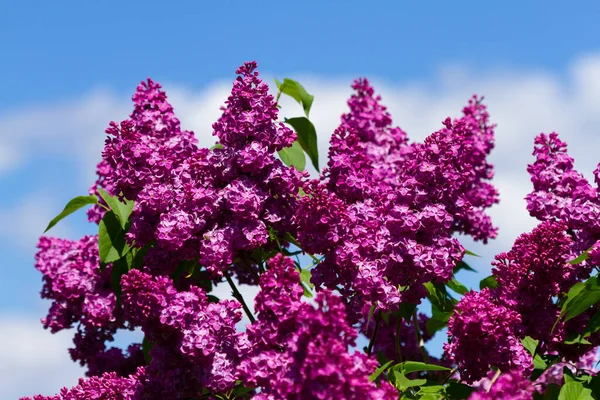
(354, 251)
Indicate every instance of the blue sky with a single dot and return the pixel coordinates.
(68, 70)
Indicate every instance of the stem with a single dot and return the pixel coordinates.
(398, 350)
(249, 268)
(420, 338)
(238, 296)
(449, 375)
(494, 379)
(372, 341)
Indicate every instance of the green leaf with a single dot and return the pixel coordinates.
(185, 269)
(111, 238)
(122, 210)
(414, 366)
(439, 320)
(593, 325)
(379, 370)
(289, 238)
(575, 391)
(539, 363)
(458, 287)
(305, 276)
(577, 339)
(580, 258)
(551, 393)
(432, 389)
(489, 282)
(307, 137)
(217, 146)
(296, 91)
(438, 295)
(119, 268)
(406, 310)
(580, 299)
(146, 347)
(469, 252)
(401, 382)
(72, 206)
(293, 156)
(530, 344)
(463, 265)
(458, 391)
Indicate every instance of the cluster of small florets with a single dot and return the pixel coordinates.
(199, 203)
(302, 352)
(530, 276)
(538, 269)
(187, 333)
(387, 209)
(383, 215)
(485, 333)
(509, 386)
(82, 296)
(561, 193)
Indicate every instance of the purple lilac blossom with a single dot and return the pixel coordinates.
(82, 296)
(216, 204)
(555, 373)
(509, 386)
(195, 343)
(533, 273)
(484, 333)
(386, 233)
(561, 193)
(301, 352)
(106, 387)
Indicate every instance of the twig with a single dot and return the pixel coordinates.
(238, 296)
(372, 341)
(452, 372)
(398, 350)
(420, 338)
(494, 379)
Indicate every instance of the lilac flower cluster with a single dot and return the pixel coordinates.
(530, 276)
(188, 335)
(555, 374)
(83, 296)
(301, 352)
(560, 193)
(509, 386)
(105, 387)
(537, 270)
(385, 211)
(383, 215)
(486, 333)
(200, 203)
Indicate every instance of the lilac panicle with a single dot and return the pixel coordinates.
(106, 387)
(509, 386)
(188, 333)
(385, 233)
(561, 193)
(216, 205)
(82, 296)
(484, 333)
(299, 351)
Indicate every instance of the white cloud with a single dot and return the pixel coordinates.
(23, 223)
(34, 361)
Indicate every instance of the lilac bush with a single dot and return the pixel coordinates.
(363, 248)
